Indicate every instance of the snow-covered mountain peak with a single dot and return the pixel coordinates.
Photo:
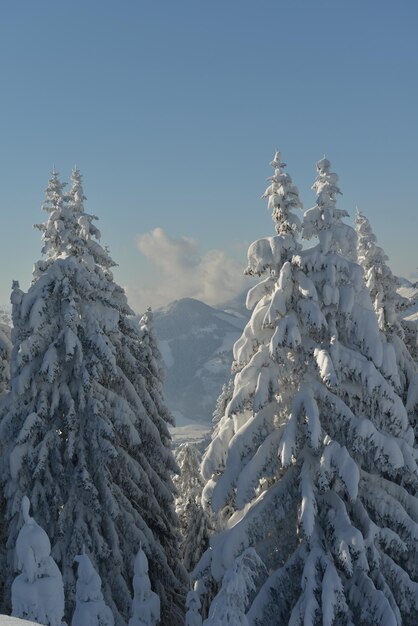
(196, 342)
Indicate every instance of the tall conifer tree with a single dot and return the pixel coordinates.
(315, 441)
(398, 364)
(5, 350)
(79, 438)
(380, 281)
(194, 522)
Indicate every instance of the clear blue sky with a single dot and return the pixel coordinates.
(172, 110)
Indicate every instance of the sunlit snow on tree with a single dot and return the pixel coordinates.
(193, 606)
(315, 442)
(37, 593)
(229, 605)
(90, 609)
(146, 603)
(398, 363)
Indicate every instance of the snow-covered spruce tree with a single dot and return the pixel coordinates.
(388, 304)
(153, 376)
(38, 592)
(78, 438)
(229, 605)
(193, 606)
(217, 441)
(380, 281)
(318, 446)
(146, 603)
(270, 253)
(90, 609)
(5, 350)
(194, 522)
(222, 402)
(152, 370)
(249, 431)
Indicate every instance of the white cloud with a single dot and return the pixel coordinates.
(179, 270)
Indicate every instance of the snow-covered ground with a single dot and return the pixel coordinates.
(185, 430)
(5, 620)
(193, 433)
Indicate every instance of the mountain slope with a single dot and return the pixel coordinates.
(410, 292)
(196, 342)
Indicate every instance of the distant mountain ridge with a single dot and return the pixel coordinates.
(196, 343)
